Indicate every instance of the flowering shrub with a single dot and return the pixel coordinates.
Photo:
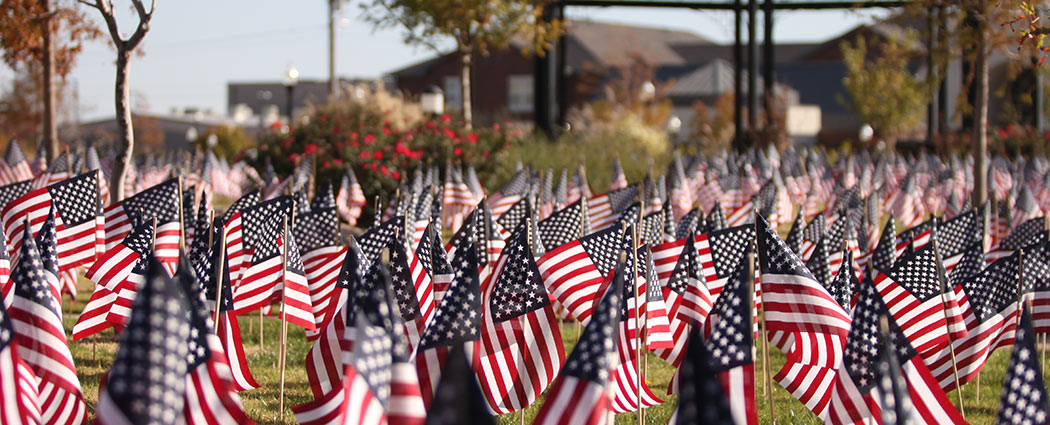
(382, 137)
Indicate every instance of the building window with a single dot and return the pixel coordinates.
(519, 93)
(453, 94)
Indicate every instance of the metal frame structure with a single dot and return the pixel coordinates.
(549, 80)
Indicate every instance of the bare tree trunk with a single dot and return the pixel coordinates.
(124, 124)
(468, 116)
(980, 133)
(50, 139)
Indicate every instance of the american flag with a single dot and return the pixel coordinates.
(57, 171)
(885, 253)
(19, 398)
(842, 286)
(457, 200)
(456, 321)
(148, 378)
(521, 349)
(716, 218)
(431, 271)
(818, 263)
(75, 201)
(379, 236)
(701, 398)
(729, 347)
(510, 194)
(39, 164)
(562, 226)
(46, 244)
(350, 200)
(34, 315)
(322, 265)
(907, 204)
(794, 236)
(581, 394)
(989, 303)
(211, 395)
(913, 294)
(573, 272)
(459, 399)
(473, 183)
(804, 320)
(517, 212)
(1024, 398)
(811, 235)
(324, 361)
(160, 202)
(119, 269)
(857, 397)
(367, 382)
(189, 196)
(293, 289)
(688, 295)
(841, 237)
(659, 334)
(206, 266)
(14, 191)
(688, 225)
(605, 209)
(15, 167)
(233, 233)
(629, 390)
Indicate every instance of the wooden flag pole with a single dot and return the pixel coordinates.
(260, 328)
(761, 327)
(637, 320)
(217, 274)
(284, 312)
(944, 308)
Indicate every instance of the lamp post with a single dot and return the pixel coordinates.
(291, 78)
(432, 101)
(674, 127)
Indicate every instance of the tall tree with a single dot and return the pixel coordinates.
(883, 92)
(125, 47)
(476, 26)
(46, 35)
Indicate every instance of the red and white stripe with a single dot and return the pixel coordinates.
(19, 399)
(59, 406)
(233, 234)
(229, 332)
(42, 345)
(572, 278)
(517, 358)
(924, 323)
(322, 272)
(75, 244)
(572, 401)
(599, 212)
(210, 395)
(351, 403)
(10, 174)
(456, 202)
(929, 403)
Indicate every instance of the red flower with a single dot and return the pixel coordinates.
(495, 126)
(446, 118)
(472, 138)
(293, 157)
(338, 162)
(396, 175)
(369, 138)
(309, 149)
(384, 170)
(429, 125)
(378, 155)
(364, 155)
(324, 117)
(287, 142)
(457, 151)
(353, 144)
(485, 154)
(386, 131)
(450, 134)
(275, 126)
(353, 136)
(327, 165)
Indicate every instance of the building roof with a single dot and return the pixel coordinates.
(602, 44)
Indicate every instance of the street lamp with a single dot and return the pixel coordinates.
(291, 78)
(674, 125)
(866, 133)
(191, 134)
(432, 100)
(647, 91)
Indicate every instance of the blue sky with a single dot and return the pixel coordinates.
(196, 46)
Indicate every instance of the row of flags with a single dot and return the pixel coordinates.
(869, 319)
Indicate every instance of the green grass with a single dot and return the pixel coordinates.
(94, 355)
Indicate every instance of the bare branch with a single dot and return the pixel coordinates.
(89, 4)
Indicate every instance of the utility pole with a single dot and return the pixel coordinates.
(333, 81)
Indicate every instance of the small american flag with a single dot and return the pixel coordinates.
(580, 395)
(885, 253)
(458, 399)
(797, 305)
(702, 398)
(729, 347)
(75, 201)
(34, 314)
(854, 398)
(119, 269)
(913, 295)
(233, 233)
(1024, 398)
(794, 237)
(147, 381)
(519, 328)
(562, 226)
(15, 166)
(456, 321)
(19, 398)
(160, 202)
(574, 271)
(605, 209)
(618, 179)
(350, 200)
(716, 218)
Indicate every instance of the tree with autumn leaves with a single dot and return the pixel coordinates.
(43, 38)
(476, 26)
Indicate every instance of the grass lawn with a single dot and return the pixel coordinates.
(94, 355)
